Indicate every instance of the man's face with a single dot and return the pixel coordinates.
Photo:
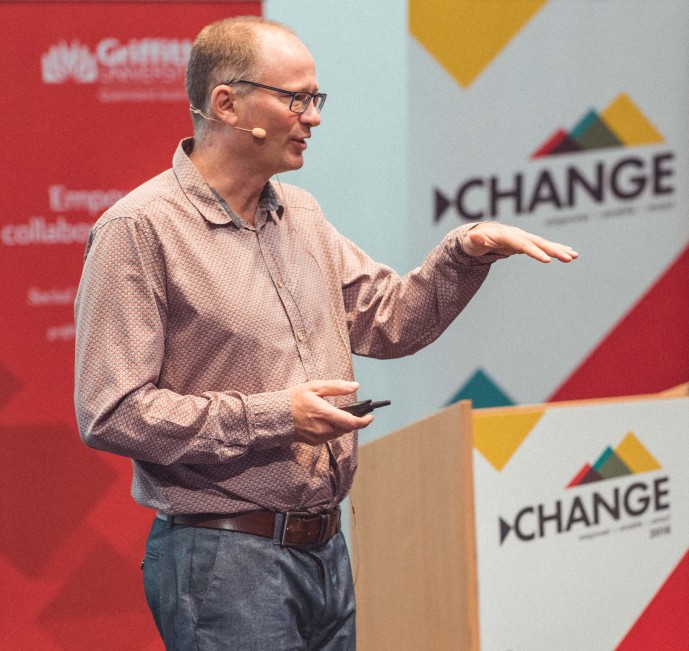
(289, 66)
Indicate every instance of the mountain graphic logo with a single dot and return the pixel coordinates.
(630, 457)
(621, 124)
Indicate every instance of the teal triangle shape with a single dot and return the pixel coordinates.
(584, 125)
(482, 391)
(593, 133)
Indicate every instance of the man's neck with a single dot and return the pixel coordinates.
(233, 182)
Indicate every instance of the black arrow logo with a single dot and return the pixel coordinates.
(504, 530)
(442, 203)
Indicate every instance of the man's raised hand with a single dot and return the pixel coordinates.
(492, 237)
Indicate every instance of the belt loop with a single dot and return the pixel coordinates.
(170, 521)
(323, 520)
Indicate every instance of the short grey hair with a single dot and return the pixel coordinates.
(226, 49)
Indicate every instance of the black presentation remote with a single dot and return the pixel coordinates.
(364, 407)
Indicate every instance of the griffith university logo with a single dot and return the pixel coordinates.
(64, 62)
(560, 178)
(595, 511)
(142, 69)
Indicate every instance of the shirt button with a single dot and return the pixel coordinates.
(301, 336)
(279, 284)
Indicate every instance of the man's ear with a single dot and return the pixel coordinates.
(222, 104)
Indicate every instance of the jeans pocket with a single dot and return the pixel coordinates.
(204, 554)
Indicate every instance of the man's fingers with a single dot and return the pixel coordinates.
(562, 252)
(534, 251)
(343, 421)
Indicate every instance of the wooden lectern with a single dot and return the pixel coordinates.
(573, 499)
(414, 496)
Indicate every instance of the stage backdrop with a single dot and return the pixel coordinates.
(567, 119)
(564, 118)
(94, 104)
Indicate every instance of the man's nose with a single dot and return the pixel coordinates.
(311, 116)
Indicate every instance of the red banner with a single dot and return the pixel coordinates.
(94, 104)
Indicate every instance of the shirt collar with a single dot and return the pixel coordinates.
(207, 201)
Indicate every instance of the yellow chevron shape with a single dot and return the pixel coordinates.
(629, 124)
(498, 436)
(635, 456)
(464, 36)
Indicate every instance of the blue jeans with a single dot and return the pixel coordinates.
(211, 589)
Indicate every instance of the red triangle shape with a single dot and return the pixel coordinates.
(648, 349)
(664, 624)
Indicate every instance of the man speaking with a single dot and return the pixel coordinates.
(216, 318)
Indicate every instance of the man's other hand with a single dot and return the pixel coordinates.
(315, 419)
(492, 237)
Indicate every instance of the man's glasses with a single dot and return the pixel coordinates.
(300, 99)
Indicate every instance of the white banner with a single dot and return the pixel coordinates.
(582, 514)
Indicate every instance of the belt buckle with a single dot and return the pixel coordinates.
(323, 524)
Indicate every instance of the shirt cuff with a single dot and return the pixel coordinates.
(270, 419)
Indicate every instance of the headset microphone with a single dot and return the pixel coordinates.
(256, 132)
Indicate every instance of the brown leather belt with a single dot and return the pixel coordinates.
(286, 529)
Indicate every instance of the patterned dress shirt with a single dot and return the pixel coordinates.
(192, 324)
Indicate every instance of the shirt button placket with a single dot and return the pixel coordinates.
(291, 309)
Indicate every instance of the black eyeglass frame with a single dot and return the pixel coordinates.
(293, 93)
